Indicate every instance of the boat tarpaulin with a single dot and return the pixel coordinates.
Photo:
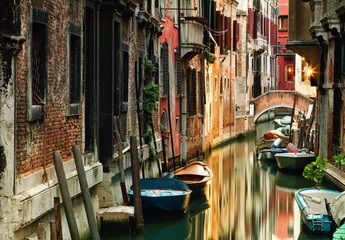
(338, 209)
(163, 183)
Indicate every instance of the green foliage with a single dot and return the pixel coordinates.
(150, 97)
(150, 69)
(210, 58)
(339, 160)
(315, 170)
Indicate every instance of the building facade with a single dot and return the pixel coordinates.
(316, 33)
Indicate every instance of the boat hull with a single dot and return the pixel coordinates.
(196, 175)
(166, 200)
(314, 215)
(294, 161)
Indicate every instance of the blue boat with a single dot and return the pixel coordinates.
(313, 208)
(167, 194)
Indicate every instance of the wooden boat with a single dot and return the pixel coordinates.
(294, 161)
(167, 194)
(196, 175)
(312, 205)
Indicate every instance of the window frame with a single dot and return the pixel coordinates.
(35, 111)
(74, 108)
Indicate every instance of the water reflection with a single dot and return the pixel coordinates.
(251, 199)
(246, 199)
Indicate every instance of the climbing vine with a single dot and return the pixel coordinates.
(150, 97)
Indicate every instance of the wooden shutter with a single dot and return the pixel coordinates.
(255, 25)
(218, 26)
(234, 48)
(228, 33)
(165, 56)
(250, 23)
(201, 92)
(178, 70)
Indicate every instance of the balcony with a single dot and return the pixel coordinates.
(192, 33)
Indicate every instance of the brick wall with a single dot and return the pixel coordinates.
(36, 140)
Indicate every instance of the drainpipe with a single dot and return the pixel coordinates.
(182, 96)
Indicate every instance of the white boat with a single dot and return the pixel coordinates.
(313, 207)
(294, 161)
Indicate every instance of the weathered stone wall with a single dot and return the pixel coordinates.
(56, 131)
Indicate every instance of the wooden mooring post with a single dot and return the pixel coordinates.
(138, 212)
(60, 173)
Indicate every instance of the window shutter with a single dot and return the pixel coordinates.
(255, 25)
(193, 90)
(207, 16)
(228, 33)
(213, 23)
(218, 27)
(262, 25)
(165, 56)
(178, 70)
(234, 48)
(222, 37)
(250, 19)
(201, 92)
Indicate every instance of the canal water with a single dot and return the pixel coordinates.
(246, 199)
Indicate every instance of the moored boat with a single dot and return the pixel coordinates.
(313, 208)
(196, 175)
(167, 194)
(294, 161)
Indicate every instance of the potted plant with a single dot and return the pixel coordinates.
(315, 171)
(339, 160)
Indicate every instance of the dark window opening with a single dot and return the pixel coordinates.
(89, 78)
(39, 63)
(125, 77)
(221, 86)
(74, 68)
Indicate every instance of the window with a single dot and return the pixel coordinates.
(74, 74)
(290, 72)
(38, 78)
(125, 67)
(221, 86)
(74, 70)
(39, 63)
(162, 5)
(177, 125)
(165, 69)
(283, 23)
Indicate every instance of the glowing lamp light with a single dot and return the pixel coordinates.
(309, 72)
(289, 69)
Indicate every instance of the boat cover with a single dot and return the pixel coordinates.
(163, 183)
(338, 209)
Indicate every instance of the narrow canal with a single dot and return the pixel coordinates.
(246, 199)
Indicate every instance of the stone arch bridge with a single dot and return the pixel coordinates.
(278, 99)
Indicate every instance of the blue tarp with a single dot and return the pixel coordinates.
(163, 183)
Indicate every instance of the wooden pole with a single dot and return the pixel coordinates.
(60, 173)
(292, 116)
(122, 169)
(171, 133)
(53, 232)
(310, 125)
(139, 224)
(57, 212)
(139, 122)
(165, 167)
(155, 145)
(85, 192)
(41, 231)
